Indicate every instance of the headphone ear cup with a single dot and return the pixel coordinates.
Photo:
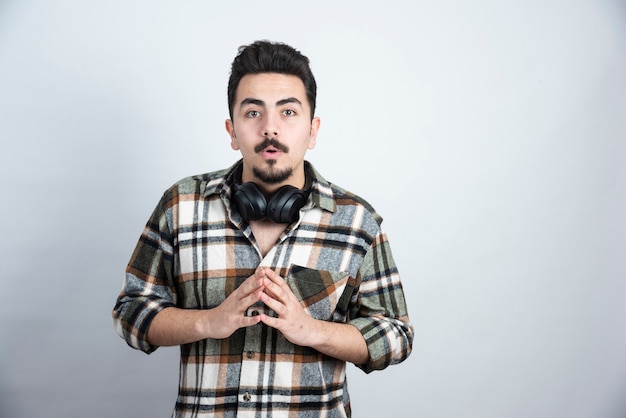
(250, 201)
(285, 204)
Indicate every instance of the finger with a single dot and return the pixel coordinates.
(249, 300)
(270, 321)
(274, 304)
(280, 291)
(247, 321)
(275, 278)
(276, 284)
(252, 284)
(273, 290)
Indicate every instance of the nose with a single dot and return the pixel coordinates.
(270, 127)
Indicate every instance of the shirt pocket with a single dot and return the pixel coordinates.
(323, 294)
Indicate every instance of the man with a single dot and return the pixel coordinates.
(269, 277)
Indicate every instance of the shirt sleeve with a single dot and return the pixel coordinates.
(380, 311)
(148, 284)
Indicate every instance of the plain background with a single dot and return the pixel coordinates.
(489, 134)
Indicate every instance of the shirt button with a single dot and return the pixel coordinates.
(249, 354)
(247, 397)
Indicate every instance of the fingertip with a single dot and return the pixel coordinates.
(253, 320)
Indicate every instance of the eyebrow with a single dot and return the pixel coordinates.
(288, 100)
(252, 101)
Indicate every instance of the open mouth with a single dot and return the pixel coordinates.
(271, 147)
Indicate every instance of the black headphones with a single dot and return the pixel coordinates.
(283, 207)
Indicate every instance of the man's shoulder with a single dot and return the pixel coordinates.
(345, 199)
(198, 183)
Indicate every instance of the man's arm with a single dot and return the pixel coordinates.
(342, 341)
(380, 314)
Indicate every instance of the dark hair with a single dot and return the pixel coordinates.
(269, 57)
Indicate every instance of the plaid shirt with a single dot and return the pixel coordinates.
(196, 249)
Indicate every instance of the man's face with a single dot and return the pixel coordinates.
(272, 128)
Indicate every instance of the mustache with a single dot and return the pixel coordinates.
(271, 142)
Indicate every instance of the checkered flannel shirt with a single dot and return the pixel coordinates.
(196, 248)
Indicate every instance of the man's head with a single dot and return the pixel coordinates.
(268, 57)
(271, 96)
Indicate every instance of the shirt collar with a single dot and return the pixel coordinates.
(321, 190)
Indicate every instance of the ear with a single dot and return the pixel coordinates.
(315, 126)
(230, 128)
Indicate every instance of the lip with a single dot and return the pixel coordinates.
(271, 153)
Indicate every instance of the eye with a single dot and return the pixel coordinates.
(253, 114)
(289, 112)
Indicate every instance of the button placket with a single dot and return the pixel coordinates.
(250, 366)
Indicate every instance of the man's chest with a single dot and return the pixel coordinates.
(266, 234)
(209, 246)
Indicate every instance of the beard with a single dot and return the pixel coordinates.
(270, 175)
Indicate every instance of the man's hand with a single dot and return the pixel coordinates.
(293, 321)
(342, 341)
(229, 316)
(175, 326)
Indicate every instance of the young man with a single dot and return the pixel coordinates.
(269, 277)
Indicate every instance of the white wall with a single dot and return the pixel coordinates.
(490, 136)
